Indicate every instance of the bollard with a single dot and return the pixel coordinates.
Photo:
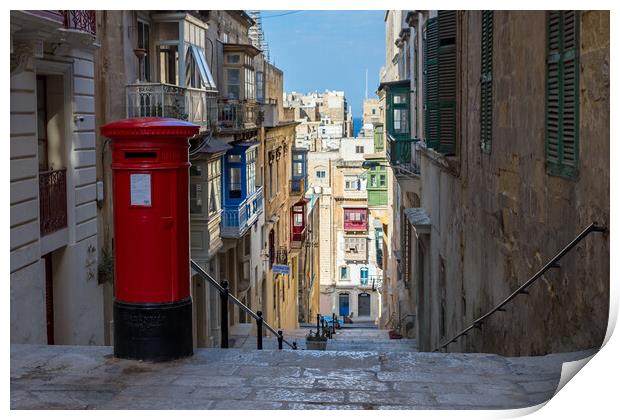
(280, 339)
(259, 330)
(294, 345)
(333, 323)
(318, 322)
(224, 314)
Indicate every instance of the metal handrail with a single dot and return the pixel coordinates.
(205, 276)
(593, 227)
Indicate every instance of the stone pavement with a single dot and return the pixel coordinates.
(89, 377)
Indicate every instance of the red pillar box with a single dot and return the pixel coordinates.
(152, 305)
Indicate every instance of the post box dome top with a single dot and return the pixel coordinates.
(149, 126)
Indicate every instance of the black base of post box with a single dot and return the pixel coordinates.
(153, 332)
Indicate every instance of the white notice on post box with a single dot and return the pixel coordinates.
(140, 189)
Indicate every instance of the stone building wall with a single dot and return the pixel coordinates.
(498, 217)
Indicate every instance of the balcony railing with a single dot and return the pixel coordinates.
(171, 101)
(404, 155)
(297, 186)
(52, 200)
(236, 115)
(376, 282)
(80, 20)
(237, 220)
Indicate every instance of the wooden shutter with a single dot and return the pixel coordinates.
(431, 111)
(440, 82)
(486, 82)
(447, 81)
(562, 93)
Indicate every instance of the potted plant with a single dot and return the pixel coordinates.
(316, 341)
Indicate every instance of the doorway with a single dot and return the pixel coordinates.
(343, 304)
(363, 304)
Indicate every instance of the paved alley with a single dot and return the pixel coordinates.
(89, 377)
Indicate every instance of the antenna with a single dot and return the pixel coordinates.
(366, 84)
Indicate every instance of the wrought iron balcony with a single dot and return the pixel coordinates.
(80, 20)
(236, 220)
(52, 201)
(236, 115)
(376, 282)
(171, 101)
(404, 156)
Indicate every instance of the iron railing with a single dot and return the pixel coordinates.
(404, 156)
(170, 101)
(80, 20)
(522, 290)
(236, 115)
(52, 200)
(225, 299)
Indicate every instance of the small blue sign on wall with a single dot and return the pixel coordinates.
(280, 269)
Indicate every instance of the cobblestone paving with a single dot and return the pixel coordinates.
(80, 377)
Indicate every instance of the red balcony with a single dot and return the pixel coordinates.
(52, 201)
(80, 20)
(355, 219)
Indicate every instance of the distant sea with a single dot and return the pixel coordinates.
(357, 125)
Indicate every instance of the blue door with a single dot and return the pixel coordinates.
(343, 303)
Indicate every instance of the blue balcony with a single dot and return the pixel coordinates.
(299, 179)
(242, 199)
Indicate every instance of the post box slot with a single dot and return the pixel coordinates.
(141, 155)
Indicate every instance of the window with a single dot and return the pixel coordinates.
(144, 39)
(195, 198)
(382, 180)
(298, 169)
(250, 93)
(198, 74)
(344, 272)
(235, 183)
(320, 174)
(486, 84)
(233, 83)
(359, 149)
(364, 276)
(250, 160)
(398, 112)
(215, 186)
(298, 216)
(562, 97)
(440, 82)
(351, 183)
(373, 180)
(260, 92)
(354, 244)
(168, 64)
(271, 176)
(233, 58)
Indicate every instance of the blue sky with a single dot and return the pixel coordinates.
(329, 49)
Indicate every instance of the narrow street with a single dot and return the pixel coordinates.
(87, 377)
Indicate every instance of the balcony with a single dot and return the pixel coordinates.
(235, 115)
(164, 100)
(355, 219)
(404, 156)
(80, 21)
(297, 186)
(52, 201)
(297, 238)
(376, 282)
(236, 220)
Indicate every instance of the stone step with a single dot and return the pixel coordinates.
(80, 377)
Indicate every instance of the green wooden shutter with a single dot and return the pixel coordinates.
(447, 81)
(431, 111)
(440, 82)
(486, 82)
(562, 93)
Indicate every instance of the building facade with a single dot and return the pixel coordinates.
(56, 295)
(506, 178)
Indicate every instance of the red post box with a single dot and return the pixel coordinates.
(152, 305)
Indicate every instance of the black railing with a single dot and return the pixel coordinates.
(52, 201)
(225, 299)
(80, 20)
(522, 290)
